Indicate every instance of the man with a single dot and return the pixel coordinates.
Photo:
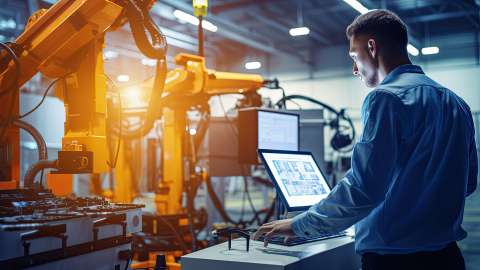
(412, 167)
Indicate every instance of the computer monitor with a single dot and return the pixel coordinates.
(277, 131)
(266, 129)
(296, 176)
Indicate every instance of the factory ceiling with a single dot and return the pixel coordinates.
(261, 27)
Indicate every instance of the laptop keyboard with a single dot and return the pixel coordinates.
(280, 240)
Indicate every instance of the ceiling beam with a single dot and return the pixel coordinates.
(235, 32)
(439, 16)
(238, 4)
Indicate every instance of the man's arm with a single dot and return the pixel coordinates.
(473, 168)
(366, 184)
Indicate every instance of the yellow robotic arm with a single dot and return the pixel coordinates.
(66, 42)
(193, 78)
(188, 85)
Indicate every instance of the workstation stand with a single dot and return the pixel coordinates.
(331, 254)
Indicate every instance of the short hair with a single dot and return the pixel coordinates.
(383, 25)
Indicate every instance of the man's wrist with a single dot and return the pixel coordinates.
(298, 226)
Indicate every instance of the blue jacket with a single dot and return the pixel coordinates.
(412, 168)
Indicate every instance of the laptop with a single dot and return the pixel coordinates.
(299, 182)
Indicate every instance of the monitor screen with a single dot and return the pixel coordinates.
(297, 177)
(277, 131)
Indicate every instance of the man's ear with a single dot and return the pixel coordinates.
(372, 48)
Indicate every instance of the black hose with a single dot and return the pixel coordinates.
(4, 123)
(41, 145)
(14, 86)
(33, 170)
(139, 22)
(302, 97)
(154, 107)
(216, 202)
(339, 114)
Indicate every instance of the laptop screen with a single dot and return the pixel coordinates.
(296, 176)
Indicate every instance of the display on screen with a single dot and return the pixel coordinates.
(277, 131)
(298, 177)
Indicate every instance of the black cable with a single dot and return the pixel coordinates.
(140, 21)
(231, 124)
(247, 192)
(41, 180)
(339, 115)
(249, 198)
(120, 119)
(45, 93)
(14, 87)
(283, 98)
(181, 242)
(218, 205)
(302, 97)
(15, 60)
(8, 119)
(235, 132)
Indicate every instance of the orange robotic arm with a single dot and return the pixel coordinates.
(66, 42)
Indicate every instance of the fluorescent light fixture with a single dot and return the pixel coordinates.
(107, 55)
(253, 65)
(299, 31)
(412, 50)
(357, 6)
(209, 26)
(149, 62)
(123, 78)
(185, 17)
(430, 50)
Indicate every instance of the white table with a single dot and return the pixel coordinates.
(331, 254)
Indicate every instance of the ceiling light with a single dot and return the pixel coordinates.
(107, 55)
(412, 50)
(430, 50)
(185, 17)
(209, 26)
(357, 6)
(123, 78)
(299, 31)
(253, 65)
(149, 62)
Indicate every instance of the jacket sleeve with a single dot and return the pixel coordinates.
(473, 168)
(367, 182)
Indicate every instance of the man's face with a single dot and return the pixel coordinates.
(363, 51)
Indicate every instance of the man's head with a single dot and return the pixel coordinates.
(378, 43)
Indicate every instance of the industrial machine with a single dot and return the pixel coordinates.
(42, 231)
(65, 43)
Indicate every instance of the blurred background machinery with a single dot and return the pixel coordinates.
(159, 129)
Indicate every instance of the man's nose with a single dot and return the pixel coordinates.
(355, 69)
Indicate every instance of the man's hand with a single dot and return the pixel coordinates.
(279, 227)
